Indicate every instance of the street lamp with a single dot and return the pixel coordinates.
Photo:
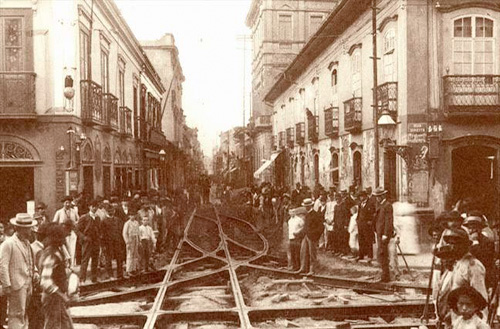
(387, 125)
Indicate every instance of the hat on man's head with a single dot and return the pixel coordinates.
(67, 198)
(286, 195)
(41, 205)
(23, 220)
(114, 199)
(467, 290)
(379, 191)
(308, 202)
(474, 221)
(361, 193)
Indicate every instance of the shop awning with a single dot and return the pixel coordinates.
(266, 165)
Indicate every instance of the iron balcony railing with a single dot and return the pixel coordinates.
(125, 121)
(387, 95)
(352, 114)
(17, 95)
(110, 103)
(92, 108)
(471, 94)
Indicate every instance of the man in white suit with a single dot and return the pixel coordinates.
(18, 270)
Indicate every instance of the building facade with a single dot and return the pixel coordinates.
(81, 105)
(164, 55)
(437, 79)
(280, 28)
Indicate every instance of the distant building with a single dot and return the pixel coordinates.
(280, 29)
(164, 55)
(438, 79)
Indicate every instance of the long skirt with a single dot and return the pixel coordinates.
(56, 312)
(133, 255)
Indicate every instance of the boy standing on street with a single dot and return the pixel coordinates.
(148, 241)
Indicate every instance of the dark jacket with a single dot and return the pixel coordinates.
(313, 225)
(89, 229)
(384, 220)
(341, 217)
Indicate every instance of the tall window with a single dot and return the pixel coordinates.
(84, 55)
(104, 71)
(389, 62)
(121, 86)
(315, 23)
(473, 45)
(285, 27)
(15, 43)
(334, 81)
(357, 180)
(356, 73)
(334, 168)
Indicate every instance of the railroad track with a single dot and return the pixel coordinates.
(221, 275)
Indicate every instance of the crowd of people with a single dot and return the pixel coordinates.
(41, 254)
(351, 224)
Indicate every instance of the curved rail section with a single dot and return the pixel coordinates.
(202, 285)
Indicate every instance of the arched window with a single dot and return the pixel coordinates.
(357, 179)
(316, 169)
(334, 168)
(334, 81)
(356, 72)
(473, 45)
(389, 56)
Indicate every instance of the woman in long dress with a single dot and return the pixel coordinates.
(131, 238)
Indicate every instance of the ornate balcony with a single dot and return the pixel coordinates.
(281, 140)
(332, 122)
(125, 121)
(300, 133)
(110, 103)
(387, 95)
(263, 123)
(471, 95)
(92, 109)
(17, 95)
(313, 128)
(352, 114)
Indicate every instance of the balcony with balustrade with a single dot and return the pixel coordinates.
(471, 96)
(125, 121)
(353, 114)
(300, 133)
(387, 95)
(92, 107)
(17, 95)
(111, 115)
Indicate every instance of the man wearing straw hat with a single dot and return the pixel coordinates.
(17, 270)
(384, 228)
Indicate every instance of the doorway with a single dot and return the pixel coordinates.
(88, 182)
(390, 174)
(17, 186)
(106, 180)
(357, 169)
(316, 170)
(474, 175)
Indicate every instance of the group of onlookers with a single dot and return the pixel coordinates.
(342, 223)
(37, 261)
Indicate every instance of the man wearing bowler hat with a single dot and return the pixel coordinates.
(384, 228)
(18, 271)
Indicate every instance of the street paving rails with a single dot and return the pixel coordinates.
(223, 276)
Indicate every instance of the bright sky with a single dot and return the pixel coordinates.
(211, 53)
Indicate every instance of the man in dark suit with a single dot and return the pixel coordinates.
(366, 236)
(88, 230)
(385, 230)
(313, 229)
(341, 217)
(297, 195)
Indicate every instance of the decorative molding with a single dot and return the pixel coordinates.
(333, 149)
(354, 47)
(355, 145)
(386, 21)
(332, 64)
(466, 5)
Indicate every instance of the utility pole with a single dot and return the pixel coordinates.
(244, 168)
(375, 96)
